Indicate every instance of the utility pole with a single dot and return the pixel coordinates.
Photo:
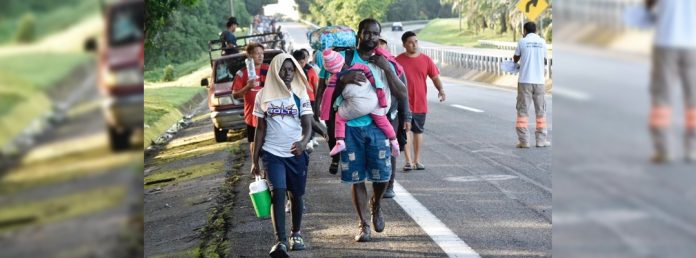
(232, 8)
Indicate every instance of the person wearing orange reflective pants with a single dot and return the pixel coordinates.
(527, 94)
(531, 56)
(673, 65)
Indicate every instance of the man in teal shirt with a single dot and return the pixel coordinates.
(367, 154)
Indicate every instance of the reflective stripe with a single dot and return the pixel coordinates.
(660, 116)
(541, 122)
(522, 122)
(691, 118)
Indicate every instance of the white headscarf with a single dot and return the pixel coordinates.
(275, 88)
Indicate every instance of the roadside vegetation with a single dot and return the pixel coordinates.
(25, 80)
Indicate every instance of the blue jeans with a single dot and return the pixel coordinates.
(367, 155)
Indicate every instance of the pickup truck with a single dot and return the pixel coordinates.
(226, 112)
(120, 66)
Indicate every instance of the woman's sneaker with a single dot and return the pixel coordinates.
(279, 250)
(296, 242)
(363, 233)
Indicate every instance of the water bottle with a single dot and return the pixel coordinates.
(250, 68)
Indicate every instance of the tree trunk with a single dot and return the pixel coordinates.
(461, 9)
(503, 23)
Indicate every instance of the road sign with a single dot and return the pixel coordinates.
(532, 8)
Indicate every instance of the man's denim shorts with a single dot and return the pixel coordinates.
(367, 155)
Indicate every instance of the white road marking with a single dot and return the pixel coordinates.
(465, 179)
(467, 108)
(614, 216)
(450, 243)
(571, 94)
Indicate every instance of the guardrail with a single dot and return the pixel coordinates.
(607, 13)
(502, 44)
(468, 62)
(383, 24)
(389, 24)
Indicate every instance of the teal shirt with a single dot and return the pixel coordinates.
(363, 120)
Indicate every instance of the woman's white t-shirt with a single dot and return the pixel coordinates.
(283, 126)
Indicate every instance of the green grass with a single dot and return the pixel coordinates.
(24, 78)
(155, 75)
(9, 99)
(162, 108)
(61, 208)
(50, 20)
(41, 70)
(446, 32)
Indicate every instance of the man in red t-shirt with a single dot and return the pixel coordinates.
(245, 87)
(417, 67)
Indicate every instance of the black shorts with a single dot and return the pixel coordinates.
(250, 132)
(286, 173)
(418, 123)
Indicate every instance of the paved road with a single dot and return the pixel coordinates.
(609, 201)
(491, 196)
(73, 186)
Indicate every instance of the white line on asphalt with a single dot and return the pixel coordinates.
(465, 179)
(467, 108)
(572, 94)
(441, 234)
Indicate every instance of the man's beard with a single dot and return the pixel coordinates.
(365, 46)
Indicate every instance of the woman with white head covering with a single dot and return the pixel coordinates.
(284, 125)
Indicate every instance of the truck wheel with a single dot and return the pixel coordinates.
(119, 139)
(220, 134)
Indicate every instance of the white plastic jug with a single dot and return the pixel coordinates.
(259, 185)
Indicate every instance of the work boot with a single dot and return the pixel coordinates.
(543, 143)
(660, 158)
(522, 145)
(376, 216)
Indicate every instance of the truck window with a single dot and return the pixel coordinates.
(126, 24)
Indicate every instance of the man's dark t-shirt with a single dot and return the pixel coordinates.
(230, 41)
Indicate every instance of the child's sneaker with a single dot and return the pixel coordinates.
(339, 147)
(394, 147)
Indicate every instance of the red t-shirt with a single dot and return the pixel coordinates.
(417, 70)
(240, 80)
(313, 80)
